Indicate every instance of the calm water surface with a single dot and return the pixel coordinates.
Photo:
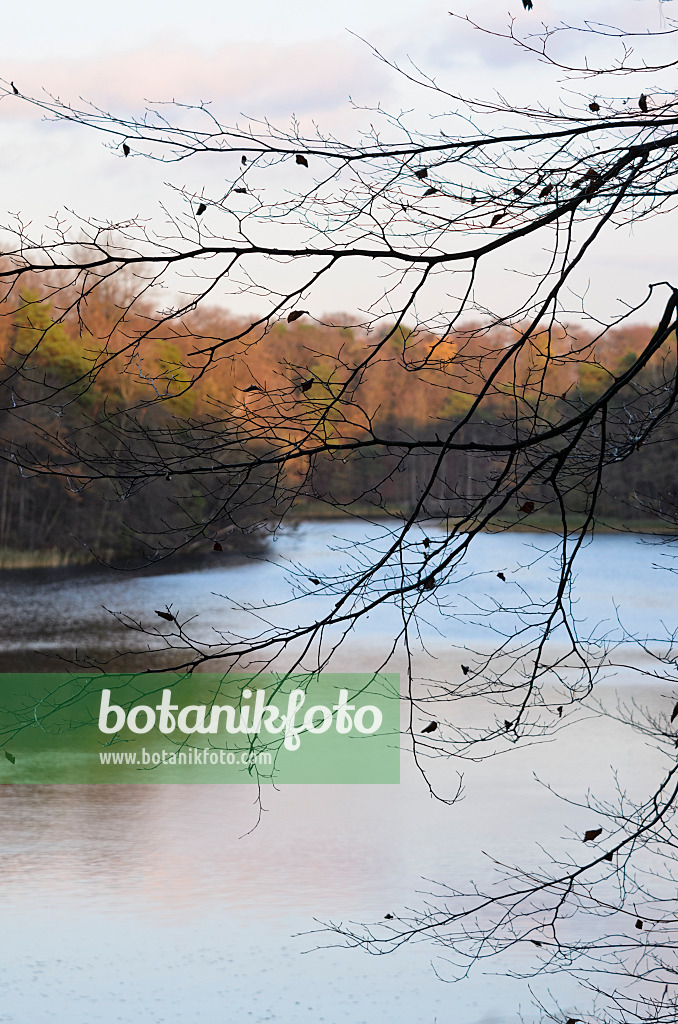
(151, 903)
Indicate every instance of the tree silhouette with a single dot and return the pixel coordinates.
(504, 412)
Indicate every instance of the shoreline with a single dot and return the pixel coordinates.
(53, 560)
(534, 523)
(14, 560)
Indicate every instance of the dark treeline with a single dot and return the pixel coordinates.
(97, 450)
(76, 393)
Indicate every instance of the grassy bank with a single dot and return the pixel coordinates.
(48, 558)
(199, 552)
(537, 522)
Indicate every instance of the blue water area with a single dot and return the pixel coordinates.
(185, 903)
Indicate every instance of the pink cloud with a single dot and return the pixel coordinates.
(256, 80)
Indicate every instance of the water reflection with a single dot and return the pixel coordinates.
(160, 903)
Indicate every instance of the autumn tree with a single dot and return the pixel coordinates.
(494, 412)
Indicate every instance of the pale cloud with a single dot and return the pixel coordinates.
(315, 77)
(258, 80)
(50, 167)
(456, 44)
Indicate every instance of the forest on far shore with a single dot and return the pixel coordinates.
(90, 390)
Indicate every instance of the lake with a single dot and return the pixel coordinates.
(164, 903)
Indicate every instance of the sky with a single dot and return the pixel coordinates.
(265, 59)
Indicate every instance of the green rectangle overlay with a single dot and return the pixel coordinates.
(199, 728)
